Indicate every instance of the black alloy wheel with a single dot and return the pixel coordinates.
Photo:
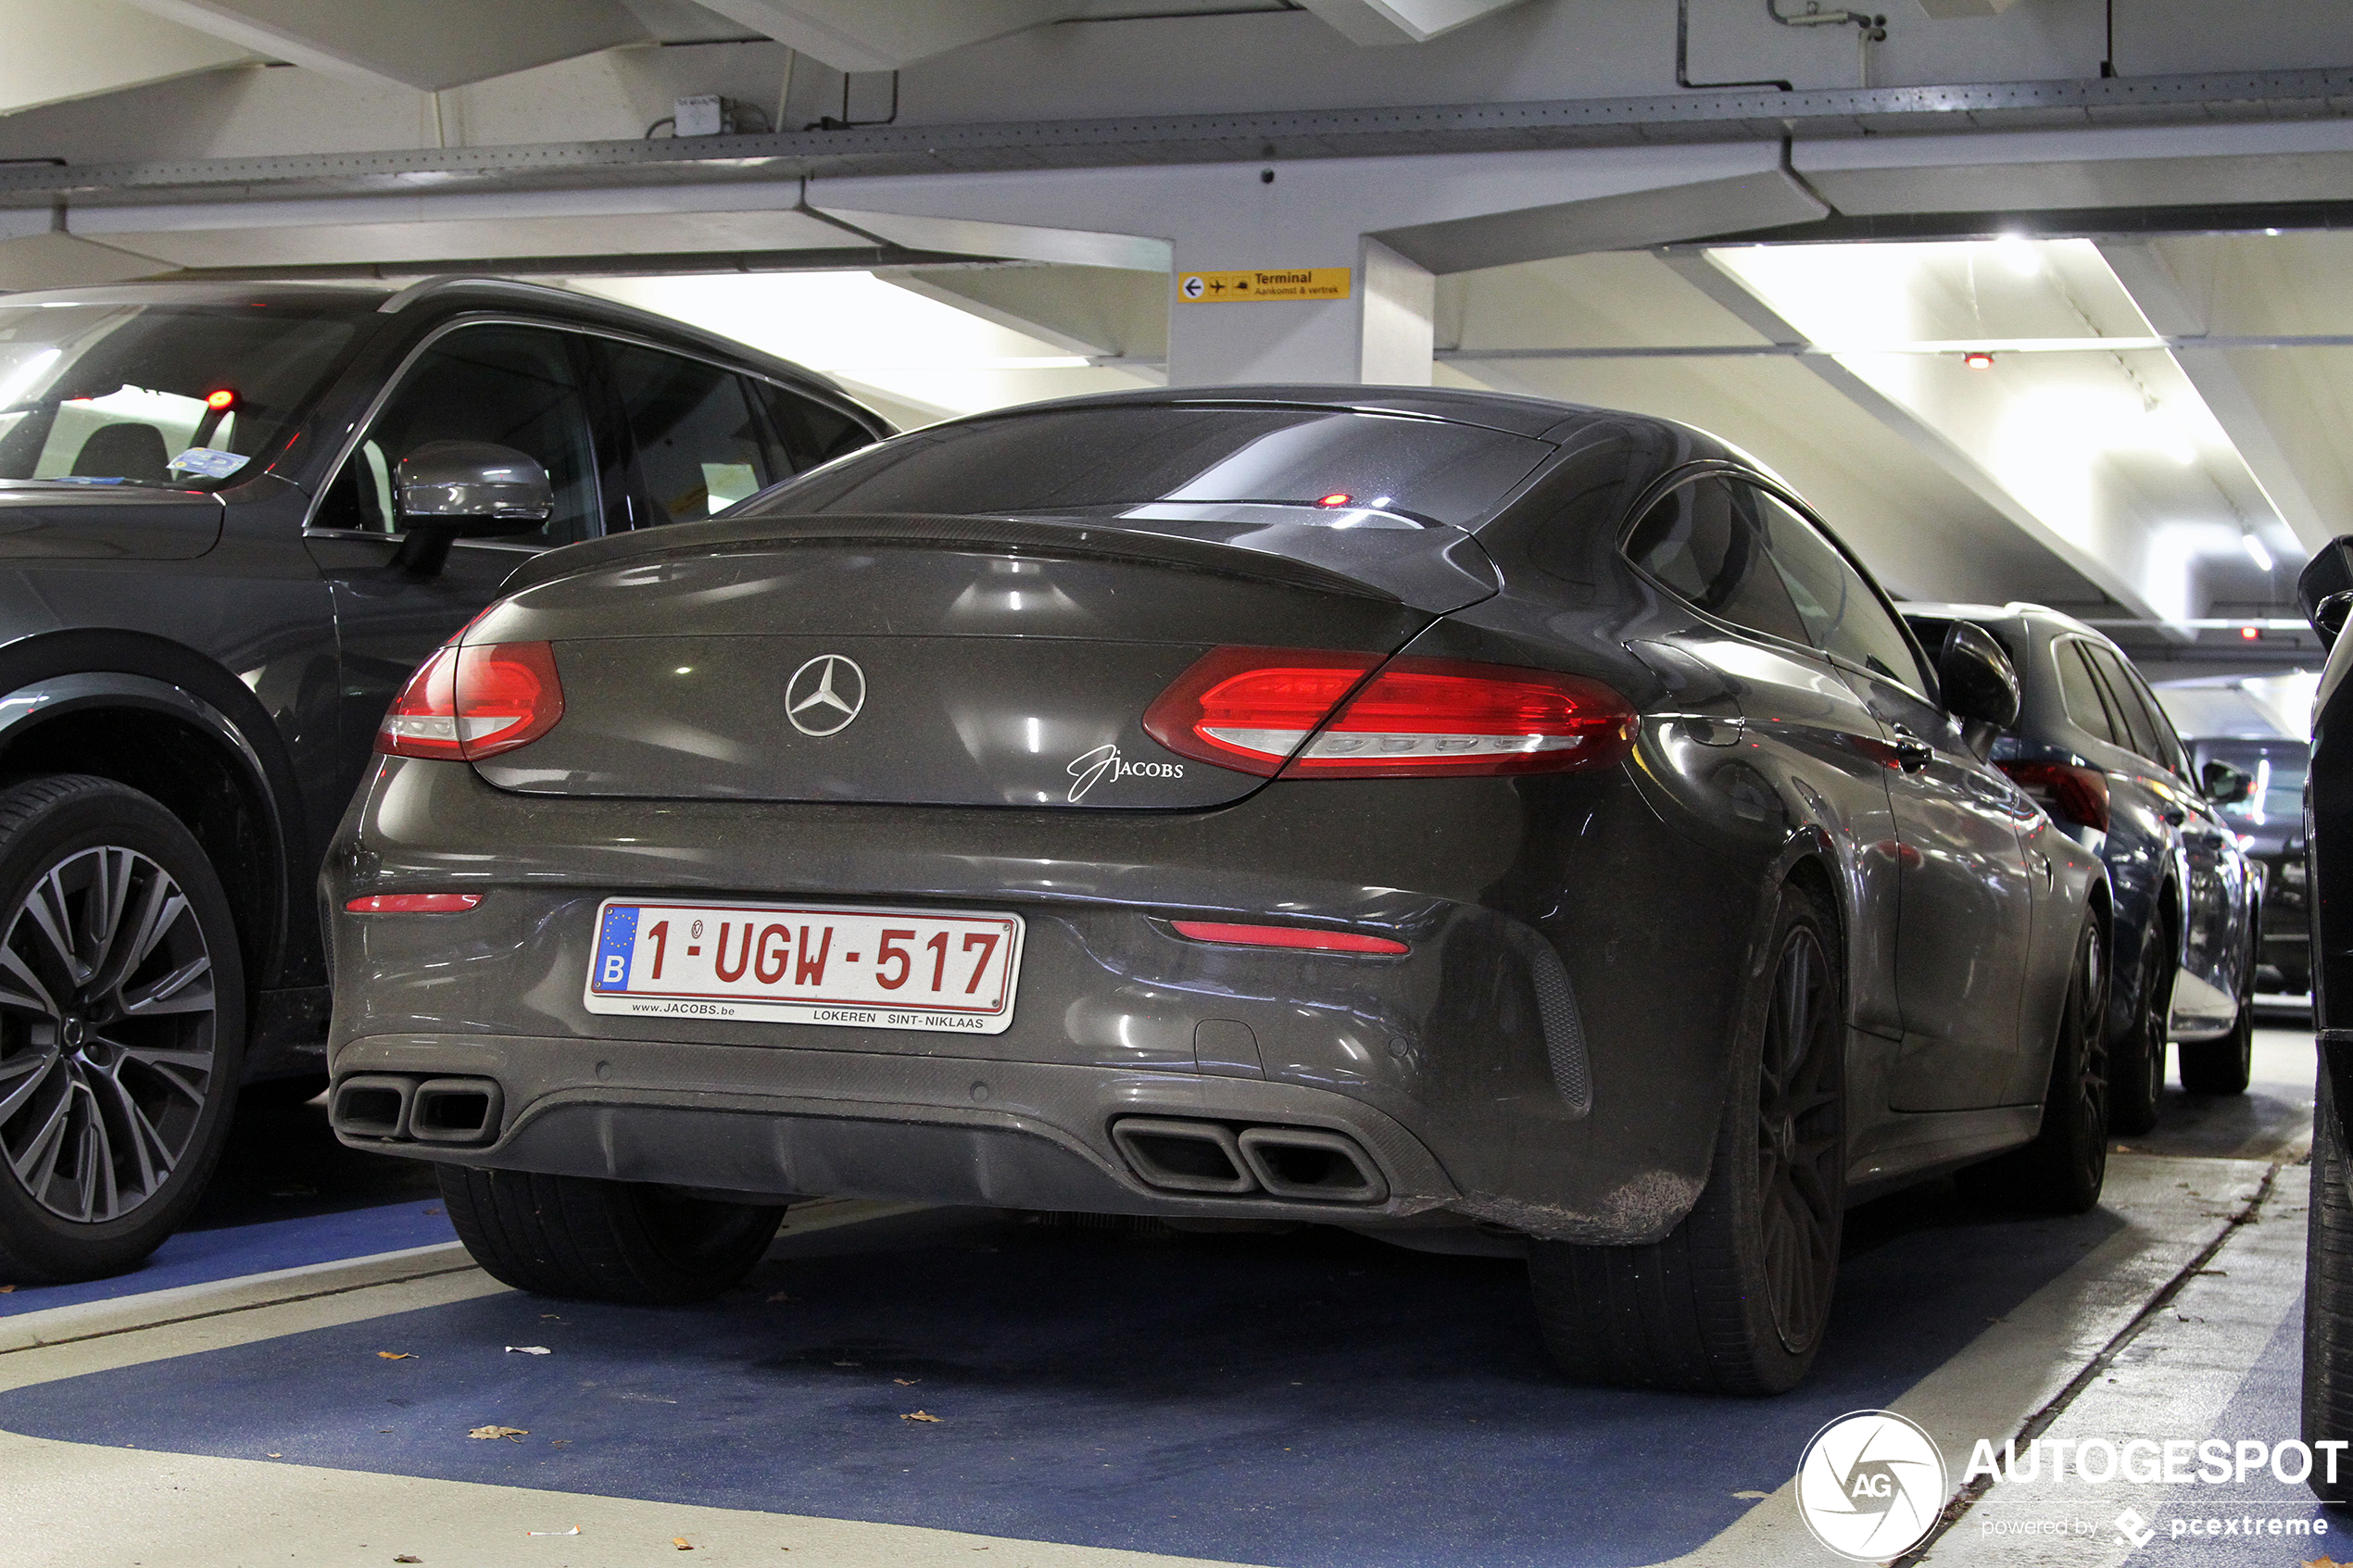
(2136, 1056)
(2062, 1170)
(1735, 1299)
(2226, 1066)
(121, 1024)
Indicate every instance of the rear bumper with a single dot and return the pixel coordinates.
(1553, 1062)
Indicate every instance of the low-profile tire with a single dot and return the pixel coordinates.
(591, 1240)
(2062, 1170)
(2226, 1066)
(2328, 1301)
(1735, 1299)
(121, 1026)
(2136, 1056)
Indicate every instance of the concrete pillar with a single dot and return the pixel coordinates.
(1396, 299)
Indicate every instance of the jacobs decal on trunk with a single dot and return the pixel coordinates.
(1105, 762)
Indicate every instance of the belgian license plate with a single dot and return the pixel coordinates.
(855, 968)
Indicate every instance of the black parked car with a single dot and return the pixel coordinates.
(2098, 752)
(2326, 589)
(1459, 818)
(217, 567)
(2270, 824)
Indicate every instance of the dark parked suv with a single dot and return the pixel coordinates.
(229, 527)
(2095, 749)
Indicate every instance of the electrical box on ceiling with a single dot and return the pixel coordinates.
(1943, 10)
(703, 115)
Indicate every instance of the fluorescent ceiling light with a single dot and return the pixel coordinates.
(2256, 551)
(2018, 254)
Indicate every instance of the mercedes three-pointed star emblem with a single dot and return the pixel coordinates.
(824, 695)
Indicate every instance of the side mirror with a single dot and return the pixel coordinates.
(1981, 687)
(2224, 785)
(2321, 588)
(452, 490)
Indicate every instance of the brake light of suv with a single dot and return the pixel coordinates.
(475, 701)
(2070, 793)
(1250, 709)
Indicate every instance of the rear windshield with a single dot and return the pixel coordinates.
(1249, 463)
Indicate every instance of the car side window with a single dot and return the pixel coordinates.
(1843, 614)
(698, 439)
(810, 433)
(1704, 539)
(2148, 728)
(2170, 750)
(2080, 689)
(514, 385)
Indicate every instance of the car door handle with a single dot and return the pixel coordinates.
(1911, 752)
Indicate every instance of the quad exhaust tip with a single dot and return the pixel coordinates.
(1209, 1159)
(389, 1108)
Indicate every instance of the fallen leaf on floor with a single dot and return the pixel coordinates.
(512, 1434)
(906, 1382)
(560, 1442)
(850, 1363)
(7, 1289)
(276, 1456)
(550, 1317)
(1752, 1497)
(403, 1557)
(919, 1415)
(528, 1350)
(573, 1531)
(434, 1209)
(681, 1543)
(394, 1356)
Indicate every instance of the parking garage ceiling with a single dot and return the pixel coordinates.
(2036, 301)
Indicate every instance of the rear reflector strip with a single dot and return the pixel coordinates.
(1298, 937)
(413, 903)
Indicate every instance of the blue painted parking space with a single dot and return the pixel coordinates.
(202, 1256)
(1302, 1400)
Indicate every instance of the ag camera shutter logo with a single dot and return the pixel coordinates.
(1870, 1485)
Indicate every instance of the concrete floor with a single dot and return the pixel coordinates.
(1106, 1397)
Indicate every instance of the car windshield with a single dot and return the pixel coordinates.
(183, 396)
(2277, 768)
(1202, 462)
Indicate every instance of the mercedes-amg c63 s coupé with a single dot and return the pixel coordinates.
(1469, 820)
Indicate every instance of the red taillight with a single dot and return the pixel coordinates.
(1250, 709)
(475, 701)
(414, 903)
(2067, 792)
(1297, 937)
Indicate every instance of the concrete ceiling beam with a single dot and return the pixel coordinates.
(427, 45)
(1379, 22)
(59, 53)
(862, 35)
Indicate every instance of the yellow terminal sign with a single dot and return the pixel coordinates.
(1278, 283)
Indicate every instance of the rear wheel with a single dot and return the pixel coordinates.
(2328, 1298)
(121, 1026)
(604, 1241)
(2136, 1056)
(2227, 1065)
(2062, 1170)
(1734, 1299)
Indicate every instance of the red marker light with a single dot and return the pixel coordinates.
(221, 401)
(1301, 937)
(2250, 633)
(1337, 498)
(414, 904)
(1978, 360)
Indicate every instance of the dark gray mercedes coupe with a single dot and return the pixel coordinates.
(1473, 820)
